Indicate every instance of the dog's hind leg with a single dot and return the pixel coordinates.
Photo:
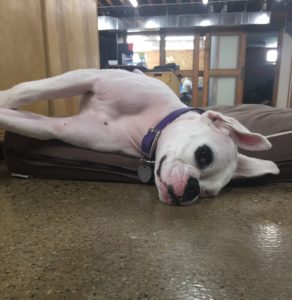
(68, 129)
(29, 124)
(69, 84)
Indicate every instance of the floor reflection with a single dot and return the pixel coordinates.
(268, 238)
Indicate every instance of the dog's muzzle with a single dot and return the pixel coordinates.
(191, 193)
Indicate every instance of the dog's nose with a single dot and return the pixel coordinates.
(192, 190)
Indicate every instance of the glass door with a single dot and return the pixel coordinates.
(224, 68)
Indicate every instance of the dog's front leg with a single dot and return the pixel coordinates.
(66, 85)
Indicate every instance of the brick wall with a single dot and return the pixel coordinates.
(183, 58)
(152, 58)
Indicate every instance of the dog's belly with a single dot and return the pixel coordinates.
(120, 123)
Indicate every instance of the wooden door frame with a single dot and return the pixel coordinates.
(237, 73)
(277, 68)
(195, 71)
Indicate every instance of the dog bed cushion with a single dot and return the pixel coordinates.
(56, 159)
(26, 156)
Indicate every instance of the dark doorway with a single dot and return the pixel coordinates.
(260, 63)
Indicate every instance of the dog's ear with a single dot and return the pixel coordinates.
(240, 134)
(253, 167)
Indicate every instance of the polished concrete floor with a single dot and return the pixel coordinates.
(93, 240)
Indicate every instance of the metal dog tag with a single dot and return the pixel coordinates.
(145, 173)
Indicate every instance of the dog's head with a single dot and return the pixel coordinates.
(198, 156)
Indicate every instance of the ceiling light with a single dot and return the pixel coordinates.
(134, 2)
(205, 23)
(151, 24)
(272, 45)
(263, 18)
(205, 2)
(272, 55)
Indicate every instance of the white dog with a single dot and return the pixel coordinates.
(195, 153)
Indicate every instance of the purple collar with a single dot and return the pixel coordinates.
(149, 142)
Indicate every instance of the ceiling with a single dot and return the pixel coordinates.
(123, 8)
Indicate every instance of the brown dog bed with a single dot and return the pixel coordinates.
(55, 159)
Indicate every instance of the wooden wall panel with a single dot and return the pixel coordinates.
(72, 43)
(42, 38)
(22, 53)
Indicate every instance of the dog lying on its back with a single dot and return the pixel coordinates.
(195, 154)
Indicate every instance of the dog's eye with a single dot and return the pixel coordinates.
(203, 156)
